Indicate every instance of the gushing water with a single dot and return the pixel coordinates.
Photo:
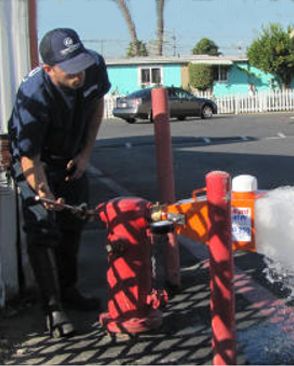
(272, 341)
(274, 224)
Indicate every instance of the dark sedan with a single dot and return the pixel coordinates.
(182, 104)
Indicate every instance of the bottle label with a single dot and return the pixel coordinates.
(241, 224)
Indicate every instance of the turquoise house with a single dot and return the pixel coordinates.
(232, 74)
(128, 75)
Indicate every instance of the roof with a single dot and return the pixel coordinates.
(195, 59)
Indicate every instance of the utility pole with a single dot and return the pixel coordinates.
(33, 37)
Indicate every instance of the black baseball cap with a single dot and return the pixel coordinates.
(63, 47)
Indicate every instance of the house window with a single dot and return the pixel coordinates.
(220, 73)
(150, 76)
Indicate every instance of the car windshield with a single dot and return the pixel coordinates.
(139, 93)
(172, 93)
(179, 93)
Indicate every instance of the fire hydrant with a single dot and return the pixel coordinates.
(133, 305)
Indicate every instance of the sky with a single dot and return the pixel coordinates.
(231, 24)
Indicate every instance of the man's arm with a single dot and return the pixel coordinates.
(34, 173)
(80, 162)
(35, 176)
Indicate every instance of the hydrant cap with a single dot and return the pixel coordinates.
(244, 183)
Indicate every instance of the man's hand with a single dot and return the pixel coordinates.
(76, 167)
(44, 192)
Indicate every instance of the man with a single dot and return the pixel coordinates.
(52, 130)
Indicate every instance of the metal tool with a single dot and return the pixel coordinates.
(80, 210)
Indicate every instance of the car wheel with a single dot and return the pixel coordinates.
(181, 118)
(206, 112)
(130, 120)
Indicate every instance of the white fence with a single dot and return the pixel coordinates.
(279, 100)
(109, 104)
(260, 102)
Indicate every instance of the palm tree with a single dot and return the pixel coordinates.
(138, 48)
(135, 44)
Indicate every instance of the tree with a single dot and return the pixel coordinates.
(135, 46)
(205, 47)
(273, 52)
(160, 25)
(138, 49)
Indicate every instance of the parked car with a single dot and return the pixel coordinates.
(182, 104)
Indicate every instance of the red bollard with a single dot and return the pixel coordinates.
(164, 158)
(165, 174)
(132, 303)
(222, 301)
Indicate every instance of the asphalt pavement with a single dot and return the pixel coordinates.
(264, 320)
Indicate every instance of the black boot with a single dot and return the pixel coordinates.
(58, 324)
(43, 263)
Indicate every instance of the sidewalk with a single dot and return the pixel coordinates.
(185, 336)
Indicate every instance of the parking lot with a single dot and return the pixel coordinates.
(259, 144)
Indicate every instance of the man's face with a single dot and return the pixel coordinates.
(62, 79)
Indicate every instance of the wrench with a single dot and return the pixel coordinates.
(80, 210)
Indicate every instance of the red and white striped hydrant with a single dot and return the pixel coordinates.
(133, 305)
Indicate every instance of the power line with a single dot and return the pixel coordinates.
(112, 47)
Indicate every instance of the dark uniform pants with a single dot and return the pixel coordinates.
(53, 237)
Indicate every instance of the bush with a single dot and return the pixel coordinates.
(201, 76)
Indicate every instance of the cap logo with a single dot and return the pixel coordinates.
(70, 46)
(68, 41)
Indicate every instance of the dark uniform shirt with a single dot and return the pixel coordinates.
(52, 121)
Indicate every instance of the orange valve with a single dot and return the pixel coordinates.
(195, 212)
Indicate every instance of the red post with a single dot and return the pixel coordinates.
(165, 175)
(164, 158)
(222, 300)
